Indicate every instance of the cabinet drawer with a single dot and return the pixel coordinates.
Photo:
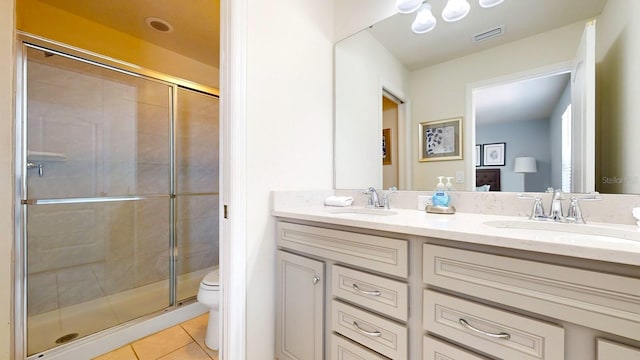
(377, 333)
(608, 350)
(377, 293)
(434, 349)
(343, 349)
(383, 254)
(491, 331)
(607, 302)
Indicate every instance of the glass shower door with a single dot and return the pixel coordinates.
(98, 170)
(197, 189)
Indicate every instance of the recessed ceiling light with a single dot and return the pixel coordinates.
(159, 24)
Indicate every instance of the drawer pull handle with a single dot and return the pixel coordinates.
(370, 333)
(315, 280)
(501, 335)
(372, 293)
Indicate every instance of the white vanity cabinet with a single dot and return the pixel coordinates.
(367, 295)
(300, 304)
(601, 302)
(408, 296)
(609, 350)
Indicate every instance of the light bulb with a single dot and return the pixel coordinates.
(425, 21)
(489, 3)
(455, 10)
(408, 6)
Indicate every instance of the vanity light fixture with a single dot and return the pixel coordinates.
(408, 6)
(489, 3)
(455, 10)
(425, 21)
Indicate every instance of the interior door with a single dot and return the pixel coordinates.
(583, 99)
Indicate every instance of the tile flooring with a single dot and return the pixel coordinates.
(181, 342)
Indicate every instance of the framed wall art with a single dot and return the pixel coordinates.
(478, 155)
(441, 140)
(494, 154)
(386, 146)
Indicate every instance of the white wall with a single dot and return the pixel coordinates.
(439, 91)
(7, 36)
(289, 132)
(352, 16)
(363, 68)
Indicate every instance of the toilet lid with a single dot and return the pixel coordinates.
(212, 278)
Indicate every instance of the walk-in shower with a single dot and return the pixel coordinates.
(117, 184)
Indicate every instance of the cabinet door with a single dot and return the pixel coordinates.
(608, 350)
(299, 312)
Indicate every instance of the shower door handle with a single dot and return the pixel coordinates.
(40, 167)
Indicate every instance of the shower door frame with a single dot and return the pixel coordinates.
(25, 40)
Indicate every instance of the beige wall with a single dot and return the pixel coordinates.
(618, 56)
(6, 172)
(352, 16)
(41, 19)
(439, 91)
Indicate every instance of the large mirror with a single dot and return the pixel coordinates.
(508, 73)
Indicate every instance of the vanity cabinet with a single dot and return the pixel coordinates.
(367, 301)
(398, 296)
(599, 301)
(609, 350)
(300, 304)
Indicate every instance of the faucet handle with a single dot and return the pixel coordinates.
(537, 210)
(386, 201)
(574, 213)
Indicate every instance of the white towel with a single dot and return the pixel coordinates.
(338, 201)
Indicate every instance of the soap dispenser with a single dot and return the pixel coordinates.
(440, 198)
(449, 187)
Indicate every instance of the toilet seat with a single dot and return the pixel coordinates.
(211, 281)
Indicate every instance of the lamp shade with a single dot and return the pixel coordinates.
(425, 21)
(525, 164)
(455, 10)
(408, 6)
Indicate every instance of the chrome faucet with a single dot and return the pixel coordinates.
(375, 201)
(555, 210)
(574, 213)
(385, 197)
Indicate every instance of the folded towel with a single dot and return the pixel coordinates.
(338, 201)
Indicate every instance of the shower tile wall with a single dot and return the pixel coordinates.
(101, 133)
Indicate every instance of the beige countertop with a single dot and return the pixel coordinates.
(597, 241)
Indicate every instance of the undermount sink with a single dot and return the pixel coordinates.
(577, 229)
(362, 211)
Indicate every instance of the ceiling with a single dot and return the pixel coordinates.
(533, 99)
(521, 18)
(519, 101)
(196, 23)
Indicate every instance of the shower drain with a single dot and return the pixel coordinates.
(66, 338)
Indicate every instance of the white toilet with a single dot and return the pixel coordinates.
(209, 296)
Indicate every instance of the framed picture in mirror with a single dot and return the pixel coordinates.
(441, 140)
(386, 146)
(494, 154)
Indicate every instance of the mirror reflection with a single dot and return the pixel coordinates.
(513, 89)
